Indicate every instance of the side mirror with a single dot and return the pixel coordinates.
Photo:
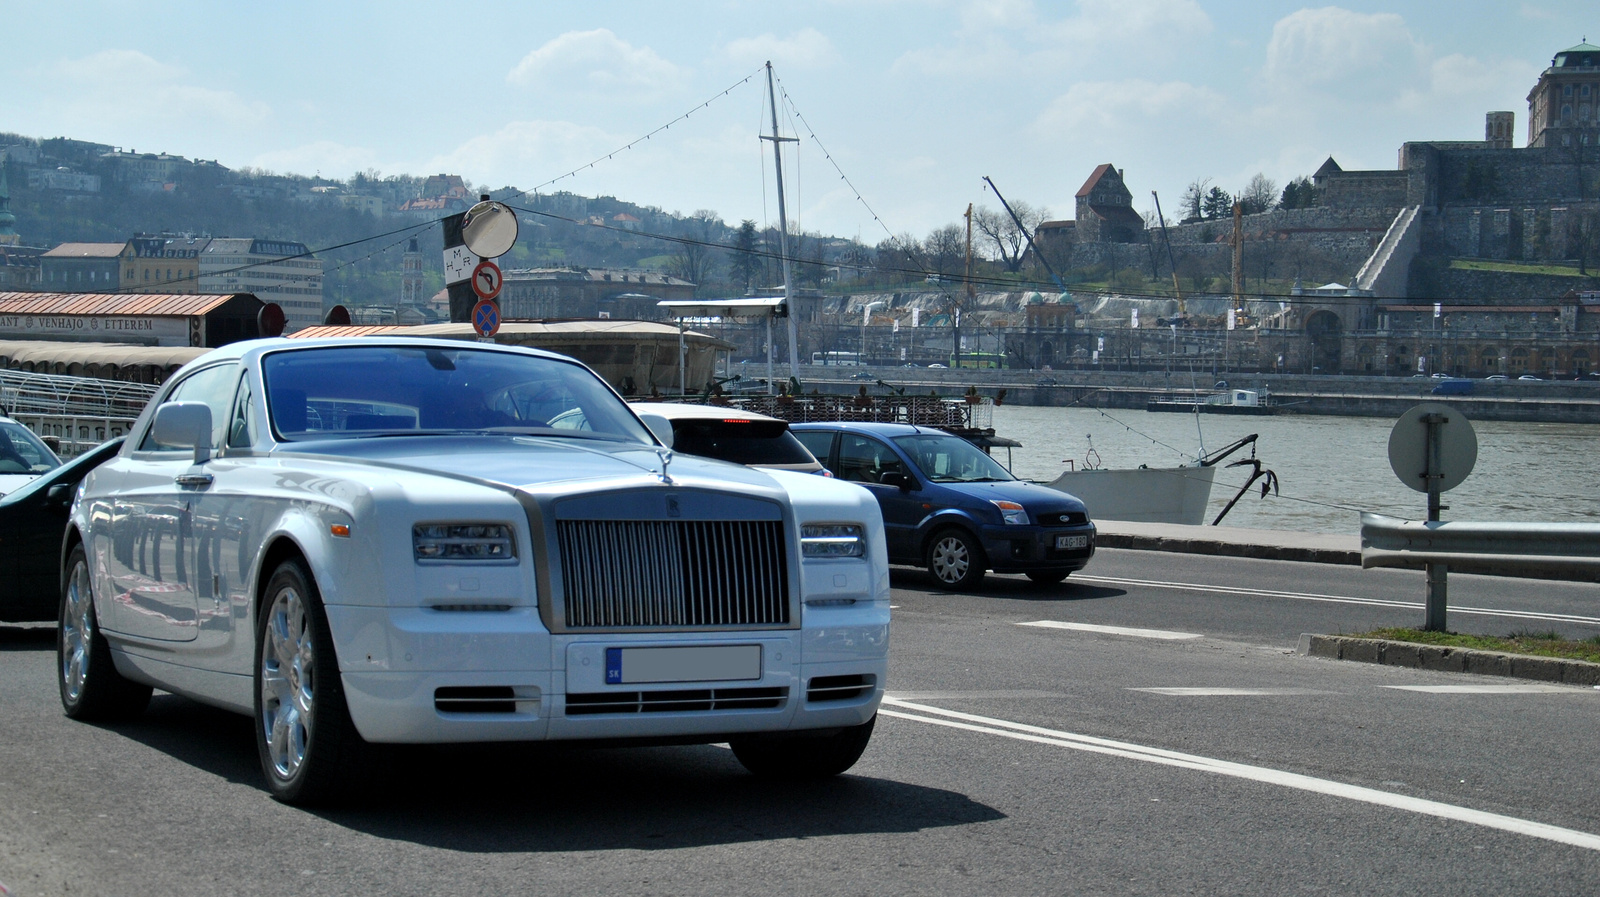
(899, 480)
(60, 493)
(185, 424)
(660, 426)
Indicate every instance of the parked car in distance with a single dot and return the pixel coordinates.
(32, 520)
(950, 508)
(23, 455)
(390, 540)
(1529, 377)
(732, 434)
(1046, 381)
(1497, 377)
(863, 375)
(937, 366)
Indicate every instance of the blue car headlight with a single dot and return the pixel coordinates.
(1011, 512)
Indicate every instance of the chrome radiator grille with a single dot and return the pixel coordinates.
(673, 573)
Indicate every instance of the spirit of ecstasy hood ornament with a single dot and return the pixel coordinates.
(665, 454)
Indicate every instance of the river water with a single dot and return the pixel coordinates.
(1329, 468)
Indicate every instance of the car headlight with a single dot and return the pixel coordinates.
(1011, 512)
(462, 542)
(833, 540)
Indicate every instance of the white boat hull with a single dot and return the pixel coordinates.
(1143, 494)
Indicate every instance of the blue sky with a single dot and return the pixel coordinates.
(916, 101)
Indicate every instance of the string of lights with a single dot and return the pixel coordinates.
(534, 190)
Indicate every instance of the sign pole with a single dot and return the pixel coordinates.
(1438, 574)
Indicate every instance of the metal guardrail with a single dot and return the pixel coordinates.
(79, 412)
(1507, 549)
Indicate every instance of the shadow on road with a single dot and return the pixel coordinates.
(1015, 588)
(549, 797)
(37, 637)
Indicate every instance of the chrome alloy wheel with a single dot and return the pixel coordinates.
(288, 697)
(950, 559)
(77, 631)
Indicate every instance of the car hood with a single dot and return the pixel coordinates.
(524, 461)
(1036, 498)
(13, 481)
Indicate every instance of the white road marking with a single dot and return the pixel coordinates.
(1334, 599)
(1114, 630)
(1530, 688)
(1037, 735)
(1228, 692)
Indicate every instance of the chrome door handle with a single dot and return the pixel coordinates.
(193, 479)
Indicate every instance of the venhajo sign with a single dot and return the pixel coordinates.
(92, 327)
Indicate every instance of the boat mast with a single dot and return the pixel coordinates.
(783, 226)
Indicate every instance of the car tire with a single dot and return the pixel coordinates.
(955, 559)
(310, 751)
(1048, 577)
(91, 687)
(799, 756)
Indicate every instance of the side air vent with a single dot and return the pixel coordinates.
(478, 699)
(838, 688)
(678, 701)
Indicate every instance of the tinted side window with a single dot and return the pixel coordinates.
(739, 441)
(213, 386)
(240, 433)
(863, 459)
(817, 442)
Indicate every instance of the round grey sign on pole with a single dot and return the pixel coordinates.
(489, 229)
(1408, 447)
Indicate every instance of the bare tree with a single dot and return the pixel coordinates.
(946, 249)
(1259, 195)
(1002, 235)
(693, 260)
(1194, 197)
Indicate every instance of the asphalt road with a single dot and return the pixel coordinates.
(1181, 747)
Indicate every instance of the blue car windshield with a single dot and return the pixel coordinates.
(943, 458)
(359, 391)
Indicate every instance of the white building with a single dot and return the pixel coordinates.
(281, 271)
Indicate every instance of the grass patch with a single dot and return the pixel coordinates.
(1541, 644)
(1514, 267)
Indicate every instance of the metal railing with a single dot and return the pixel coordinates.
(77, 412)
(1506, 549)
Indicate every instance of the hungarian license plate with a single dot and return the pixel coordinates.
(696, 663)
(1066, 542)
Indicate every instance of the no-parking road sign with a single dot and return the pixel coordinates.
(486, 317)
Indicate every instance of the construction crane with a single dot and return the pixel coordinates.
(1183, 311)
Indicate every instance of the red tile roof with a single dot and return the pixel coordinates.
(1094, 178)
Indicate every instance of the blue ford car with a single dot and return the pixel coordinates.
(951, 508)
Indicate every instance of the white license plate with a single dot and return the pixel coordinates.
(700, 663)
(1065, 542)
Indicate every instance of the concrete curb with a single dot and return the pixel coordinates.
(1221, 548)
(1450, 660)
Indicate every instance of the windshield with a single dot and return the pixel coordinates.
(943, 458)
(413, 390)
(23, 452)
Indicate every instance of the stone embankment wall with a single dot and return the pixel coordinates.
(1513, 400)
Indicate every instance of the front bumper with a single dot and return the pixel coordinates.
(1019, 549)
(415, 675)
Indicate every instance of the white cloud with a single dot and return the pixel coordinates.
(805, 48)
(1354, 54)
(597, 62)
(1125, 26)
(1131, 107)
(126, 87)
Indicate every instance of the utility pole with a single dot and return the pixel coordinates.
(970, 290)
(1171, 261)
(783, 226)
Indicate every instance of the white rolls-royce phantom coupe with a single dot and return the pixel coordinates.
(410, 541)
